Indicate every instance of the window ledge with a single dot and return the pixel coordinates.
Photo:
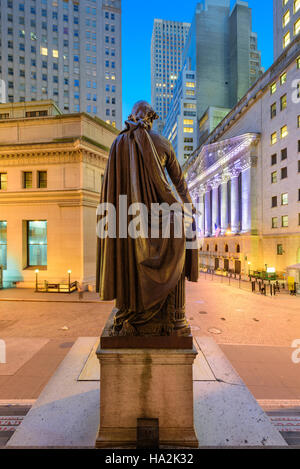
(37, 267)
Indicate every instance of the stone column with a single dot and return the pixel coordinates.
(207, 213)
(215, 207)
(246, 199)
(201, 215)
(235, 212)
(224, 205)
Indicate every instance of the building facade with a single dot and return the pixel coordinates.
(65, 50)
(286, 24)
(167, 44)
(181, 123)
(246, 178)
(51, 170)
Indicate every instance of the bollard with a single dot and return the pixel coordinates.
(271, 290)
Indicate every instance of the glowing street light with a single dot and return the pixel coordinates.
(69, 272)
(36, 280)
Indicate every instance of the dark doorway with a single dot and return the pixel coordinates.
(237, 267)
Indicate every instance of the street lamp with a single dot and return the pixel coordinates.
(36, 280)
(69, 272)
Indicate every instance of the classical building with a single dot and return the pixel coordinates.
(181, 123)
(65, 50)
(51, 170)
(286, 24)
(246, 176)
(167, 44)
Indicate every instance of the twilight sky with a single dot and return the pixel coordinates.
(137, 23)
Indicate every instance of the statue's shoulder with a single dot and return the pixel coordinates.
(160, 141)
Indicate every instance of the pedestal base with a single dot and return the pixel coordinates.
(146, 384)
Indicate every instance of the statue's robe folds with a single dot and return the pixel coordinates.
(141, 273)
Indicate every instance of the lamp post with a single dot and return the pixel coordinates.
(69, 272)
(36, 280)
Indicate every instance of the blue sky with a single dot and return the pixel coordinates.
(137, 23)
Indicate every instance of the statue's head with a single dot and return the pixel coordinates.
(143, 110)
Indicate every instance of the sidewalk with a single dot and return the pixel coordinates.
(242, 284)
(29, 295)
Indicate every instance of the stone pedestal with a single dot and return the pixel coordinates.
(151, 381)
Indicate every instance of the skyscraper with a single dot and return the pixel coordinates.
(222, 49)
(167, 44)
(66, 50)
(286, 24)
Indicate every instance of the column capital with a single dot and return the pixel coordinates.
(234, 172)
(225, 178)
(214, 183)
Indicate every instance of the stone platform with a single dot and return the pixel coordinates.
(66, 413)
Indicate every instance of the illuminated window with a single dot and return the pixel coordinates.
(274, 138)
(188, 130)
(283, 102)
(284, 199)
(190, 93)
(3, 181)
(274, 177)
(286, 39)
(27, 180)
(283, 79)
(55, 53)
(286, 19)
(297, 27)
(275, 222)
(44, 51)
(3, 244)
(273, 88)
(285, 221)
(190, 85)
(188, 122)
(283, 131)
(36, 243)
(296, 5)
(42, 180)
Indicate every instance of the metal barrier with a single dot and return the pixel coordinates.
(47, 287)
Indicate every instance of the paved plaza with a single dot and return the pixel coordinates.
(255, 332)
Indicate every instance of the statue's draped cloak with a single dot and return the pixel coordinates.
(141, 273)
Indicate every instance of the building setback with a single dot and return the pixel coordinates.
(64, 50)
(167, 44)
(51, 170)
(246, 177)
(286, 24)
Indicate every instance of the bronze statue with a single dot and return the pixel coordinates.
(145, 275)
